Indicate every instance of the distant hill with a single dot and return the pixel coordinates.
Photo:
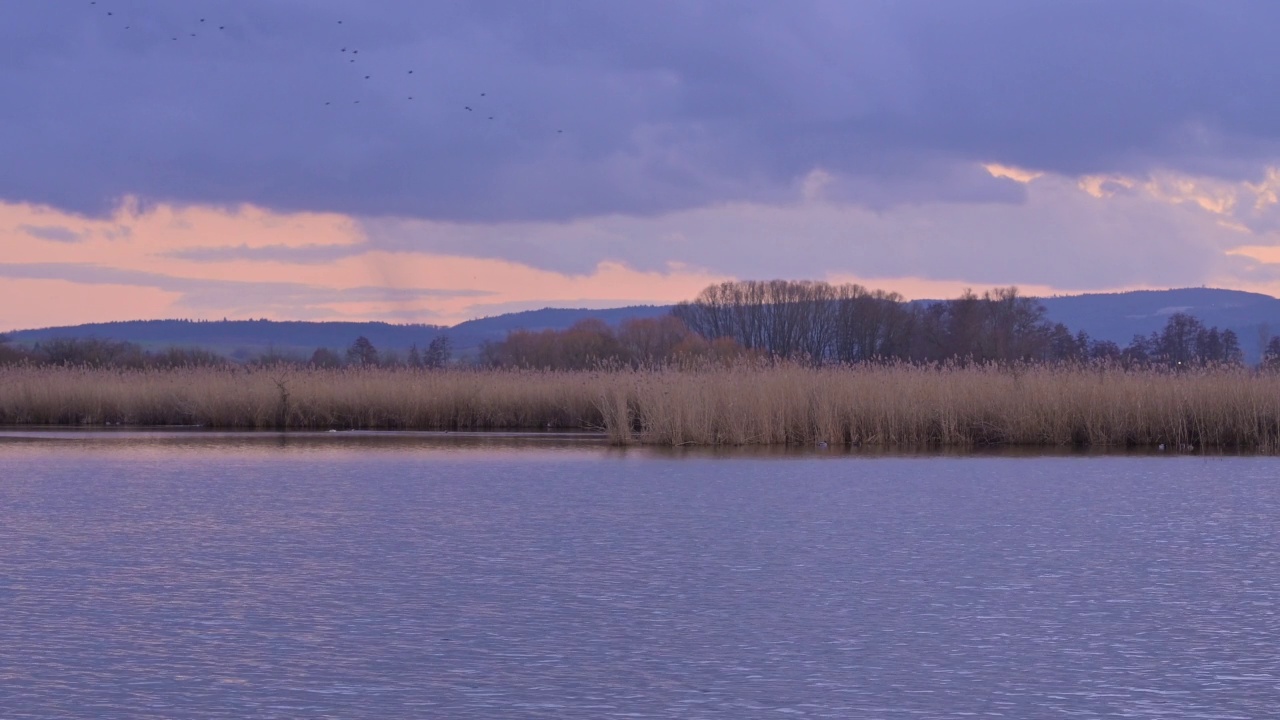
(1105, 316)
(249, 338)
(473, 332)
(241, 338)
(1119, 316)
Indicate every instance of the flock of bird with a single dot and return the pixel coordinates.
(175, 37)
(480, 107)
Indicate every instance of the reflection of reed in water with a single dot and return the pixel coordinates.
(742, 404)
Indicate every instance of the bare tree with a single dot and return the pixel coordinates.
(439, 352)
(362, 353)
(325, 358)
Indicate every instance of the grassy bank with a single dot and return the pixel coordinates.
(883, 406)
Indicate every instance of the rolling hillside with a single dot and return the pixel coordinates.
(1115, 316)
(1120, 316)
(248, 338)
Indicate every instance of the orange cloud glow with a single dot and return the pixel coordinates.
(145, 246)
(46, 303)
(164, 261)
(914, 288)
(1010, 172)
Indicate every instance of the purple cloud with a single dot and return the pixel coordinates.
(54, 233)
(633, 108)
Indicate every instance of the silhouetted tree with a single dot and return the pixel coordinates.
(1064, 346)
(439, 352)
(1209, 345)
(1231, 352)
(870, 324)
(815, 321)
(1139, 350)
(651, 340)
(185, 357)
(9, 353)
(1178, 343)
(1271, 356)
(846, 323)
(91, 351)
(1185, 342)
(362, 353)
(1104, 350)
(325, 358)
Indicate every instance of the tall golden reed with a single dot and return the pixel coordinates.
(873, 405)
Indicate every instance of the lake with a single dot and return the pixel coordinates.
(206, 575)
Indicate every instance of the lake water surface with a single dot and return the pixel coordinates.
(267, 576)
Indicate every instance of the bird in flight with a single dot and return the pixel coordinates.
(349, 51)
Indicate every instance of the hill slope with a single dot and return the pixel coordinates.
(1119, 316)
(246, 338)
(1106, 316)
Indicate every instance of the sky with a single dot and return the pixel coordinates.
(431, 162)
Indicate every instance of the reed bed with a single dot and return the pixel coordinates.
(873, 405)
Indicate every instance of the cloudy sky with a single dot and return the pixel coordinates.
(434, 161)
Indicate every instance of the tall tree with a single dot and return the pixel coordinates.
(439, 351)
(1176, 344)
(325, 358)
(1271, 357)
(362, 353)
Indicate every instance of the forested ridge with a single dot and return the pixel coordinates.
(820, 323)
(808, 321)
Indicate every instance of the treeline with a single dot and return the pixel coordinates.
(95, 352)
(593, 343)
(846, 323)
(820, 323)
(102, 353)
(810, 322)
(363, 353)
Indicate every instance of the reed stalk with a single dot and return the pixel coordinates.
(894, 405)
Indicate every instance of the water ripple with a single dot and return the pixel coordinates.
(211, 582)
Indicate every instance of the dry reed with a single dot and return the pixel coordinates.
(874, 405)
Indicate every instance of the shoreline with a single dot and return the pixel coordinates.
(872, 406)
(373, 440)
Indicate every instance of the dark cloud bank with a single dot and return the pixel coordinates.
(603, 107)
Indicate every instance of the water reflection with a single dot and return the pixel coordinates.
(130, 440)
(591, 442)
(153, 576)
